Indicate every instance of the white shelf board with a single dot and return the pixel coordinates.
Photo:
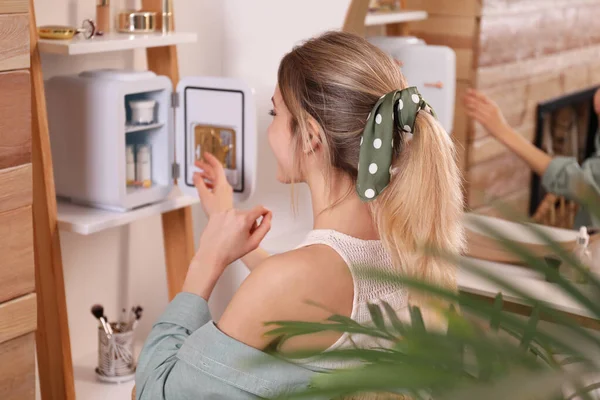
(114, 42)
(139, 128)
(86, 220)
(392, 17)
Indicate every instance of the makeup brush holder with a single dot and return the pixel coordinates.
(116, 361)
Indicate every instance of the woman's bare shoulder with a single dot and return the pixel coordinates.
(286, 287)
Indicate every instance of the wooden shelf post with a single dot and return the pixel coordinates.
(178, 230)
(53, 344)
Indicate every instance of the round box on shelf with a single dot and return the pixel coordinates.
(142, 111)
(136, 22)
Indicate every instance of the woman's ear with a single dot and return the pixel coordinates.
(314, 137)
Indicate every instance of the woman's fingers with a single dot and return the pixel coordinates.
(216, 166)
(477, 115)
(475, 98)
(475, 107)
(201, 187)
(207, 170)
(253, 228)
(209, 179)
(476, 95)
(482, 97)
(255, 213)
(261, 231)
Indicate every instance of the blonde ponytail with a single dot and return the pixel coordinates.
(421, 209)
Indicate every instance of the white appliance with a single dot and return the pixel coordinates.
(432, 69)
(90, 118)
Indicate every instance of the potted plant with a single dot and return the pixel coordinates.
(486, 352)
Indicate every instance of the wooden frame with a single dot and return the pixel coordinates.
(53, 344)
(55, 363)
(525, 310)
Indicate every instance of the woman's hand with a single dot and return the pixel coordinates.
(485, 111)
(216, 194)
(228, 236)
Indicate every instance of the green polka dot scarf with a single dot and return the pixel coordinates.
(398, 108)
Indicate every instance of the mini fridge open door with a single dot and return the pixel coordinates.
(216, 115)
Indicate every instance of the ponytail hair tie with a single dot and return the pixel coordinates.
(395, 109)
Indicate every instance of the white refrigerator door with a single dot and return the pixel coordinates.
(216, 102)
(432, 69)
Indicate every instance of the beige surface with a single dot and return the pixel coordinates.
(518, 202)
(15, 187)
(497, 178)
(16, 248)
(13, 6)
(17, 317)
(17, 369)
(15, 118)
(530, 34)
(14, 41)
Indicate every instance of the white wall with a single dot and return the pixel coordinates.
(237, 38)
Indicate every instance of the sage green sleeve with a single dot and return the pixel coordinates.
(186, 357)
(565, 177)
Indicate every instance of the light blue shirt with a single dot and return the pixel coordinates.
(186, 357)
(564, 177)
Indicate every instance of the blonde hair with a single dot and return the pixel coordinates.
(336, 79)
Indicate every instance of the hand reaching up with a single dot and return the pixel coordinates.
(485, 111)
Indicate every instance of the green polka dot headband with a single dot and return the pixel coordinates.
(395, 109)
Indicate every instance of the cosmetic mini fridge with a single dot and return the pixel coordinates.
(121, 139)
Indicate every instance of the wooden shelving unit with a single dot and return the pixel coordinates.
(54, 358)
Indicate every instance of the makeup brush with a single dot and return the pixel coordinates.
(138, 314)
(123, 320)
(98, 312)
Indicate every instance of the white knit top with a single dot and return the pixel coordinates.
(358, 255)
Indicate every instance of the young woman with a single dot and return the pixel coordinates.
(562, 176)
(383, 180)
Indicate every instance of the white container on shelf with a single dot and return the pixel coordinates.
(130, 167)
(142, 111)
(89, 116)
(143, 168)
